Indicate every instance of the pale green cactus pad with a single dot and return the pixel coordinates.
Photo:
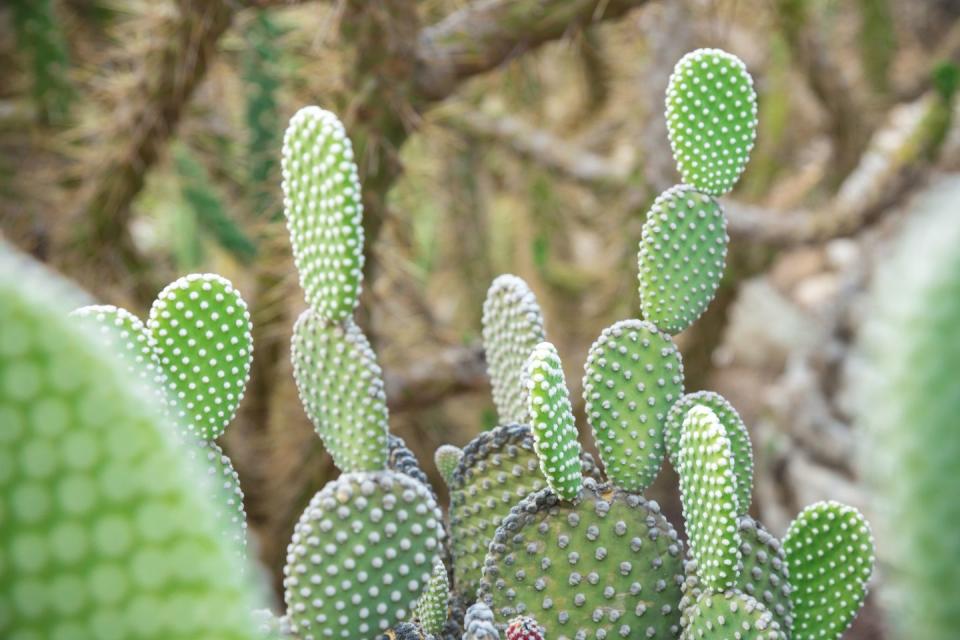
(104, 534)
(228, 503)
(512, 327)
(361, 555)
(447, 457)
(432, 606)
(711, 119)
(708, 493)
(128, 338)
(633, 375)
(830, 552)
(606, 566)
(551, 419)
(324, 212)
(341, 387)
(682, 254)
(201, 328)
(728, 616)
(736, 431)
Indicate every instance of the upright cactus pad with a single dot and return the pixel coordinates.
(711, 119)
(736, 431)
(324, 212)
(551, 419)
(225, 483)
(632, 377)
(478, 623)
(682, 254)
(708, 492)
(341, 387)
(447, 458)
(361, 554)
(606, 566)
(201, 328)
(104, 534)
(830, 552)
(127, 337)
(730, 615)
(432, 606)
(512, 327)
(524, 628)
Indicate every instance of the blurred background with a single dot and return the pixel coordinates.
(140, 140)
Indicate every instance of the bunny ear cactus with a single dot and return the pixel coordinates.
(447, 458)
(432, 606)
(731, 615)
(128, 339)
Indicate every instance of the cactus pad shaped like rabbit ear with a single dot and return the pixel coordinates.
(324, 212)
(447, 457)
(830, 554)
(432, 606)
(708, 493)
(711, 119)
(729, 615)
(551, 419)
(201, 328)
(128, 338)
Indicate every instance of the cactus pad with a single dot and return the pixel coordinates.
(225, 484)
(711, 119)
(606, 566)
(830, 553)
(681, 259)
(512, 327)
(447, 457)
(127, 337)
(361, 554)
(632, 377)
(524, 628)
(401, 459)
(324, 212)
(551, 419)
(201, 329)
(730, 615)
(736, 431)
(432, 606)
(405, 631)
(341, 387)
(707, 490)
(478, 623)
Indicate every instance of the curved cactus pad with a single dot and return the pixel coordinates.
(324, 212)
(711, 119)
(707, 490)
(478, 623)
(104, 534)
(402, 460)
(341, 387)
(551, 418)
(736, 431)
(361, 554)
(830, 552)
(127, 338)
(632, 377)
(201, 328)
(730, 615)
(432, 606)
(447, 457)
(524, 628)
(228, 496)
(608, 565)
(512, 327)
(681, 259)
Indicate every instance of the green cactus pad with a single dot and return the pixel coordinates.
(447, 457)
(632, 377)
(736, 431)
(432, 606)
(225, 483)
(708, 493)
(104, 534)
(728, 616)
(682, 254)
(341, 387)
(127, 338)
(830, 553)
(606, 566)
(551, 418)
(201, 328)
(361, 554)
(324, 212)
(512, 327)
(711, 119)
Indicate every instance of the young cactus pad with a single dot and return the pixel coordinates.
(128, 338)
(341, 387)
(708, 493)
(682, 254)
(447, 457)
(551, 419)
(201, 328)
(512, 327)
(478, 623)
(730, 615)
(711, 119)
(632, 377)
(104, 534)
(736, 432)
(432, 606)
(324, 212)
(606, 566)
(830, 552)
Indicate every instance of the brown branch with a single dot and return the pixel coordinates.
(428, 381)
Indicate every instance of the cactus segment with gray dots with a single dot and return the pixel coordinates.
(324, 211)
(432, 606)
(512, 327)
(830, 552)
(447, 457)
(683, 250)
(608, 565)
(730, 615)
(478, 623)
(711, 112)
(632, 377)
